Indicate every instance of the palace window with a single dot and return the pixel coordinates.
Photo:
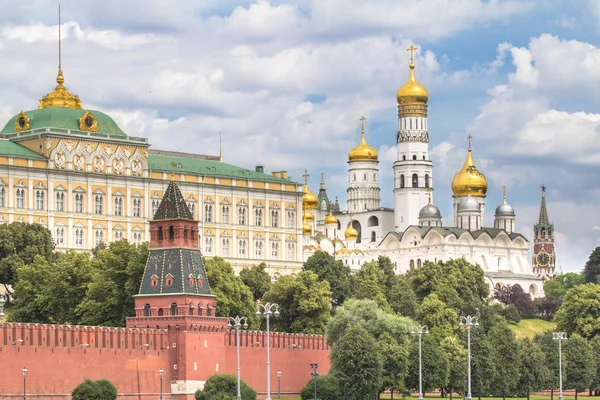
(258, 248)
(258, 214)
(78, 202)
(225, 247)
(155, 204)
(99, 204)
(79, 238)
(2, 197)
(137, 207)
(118, 206)
(60, 236)
(40, 199)
(242, 245)
(192, 208)
(60, 201)
(242, 215)
(137, 237)
(275, 218)
(208, 247)
(274, 250)
(98, 237)
(20, 198)
(291, 251)
(225, 214)
(118, 235)
(208, 213)
(291, 219)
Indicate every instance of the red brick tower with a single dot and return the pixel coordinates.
(544, 255)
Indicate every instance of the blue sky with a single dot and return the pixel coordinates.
(286, 83)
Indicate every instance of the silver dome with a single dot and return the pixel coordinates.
(430, 211)
(505, 210)
(468, 204)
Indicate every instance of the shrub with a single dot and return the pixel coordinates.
(327, 389)
(100, 390)
(511, 314)
(224, 387)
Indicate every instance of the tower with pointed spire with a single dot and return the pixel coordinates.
(363, 176)
(412, 168)
(544, 254)
(324, 203)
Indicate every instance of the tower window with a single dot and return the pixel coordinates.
(423, 157)
(171, 233)
(426, 180)
(404, 157)
(373, 236)
(402, 181)
(414, 156)
(173, 308)
(415, 180)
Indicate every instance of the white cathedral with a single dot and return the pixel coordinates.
(412, 232)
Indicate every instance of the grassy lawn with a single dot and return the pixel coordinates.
(458, 397)
(531, 327)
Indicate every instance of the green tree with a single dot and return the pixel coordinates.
(333, 271)
(513, 295)
(595, 385)
(533, 371)
(50, 291)
(233, 297)
(257, 279)
(327, 388)
(99, 390)
(580, 311)
(224, 387)
(395, 363)
(304, 303)
(386, 266)
(560, 285)
(435, 365)
(591, 271)
(19, 244)
(357, 364)
(116, 276)
(402, 298)
(549, 349)
(483, 369)
(440, 319)
(578, 363)
(370, 284)
(506, 359)
(456, 354)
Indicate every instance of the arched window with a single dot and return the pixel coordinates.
(426, 180)
(402, 181)
(208, 213)
(543, 231)
(373, 221)
(147, 310)
(412, 264)
(173, 308)
(423, 157)
(160, 312)
(160, 233)
(185, 233)
(339, 225)
(414, 156)
(200, 309)
(208, 310)
(356, 225)
(191, 309)
(404, 157)
(415, 180)
(419, 263)
(373, 236)
(171, 232)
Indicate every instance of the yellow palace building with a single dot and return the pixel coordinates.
(76, 172)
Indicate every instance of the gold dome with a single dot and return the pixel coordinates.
(306, 229)
(330, 219)
(309, 200)
(351, 233)
(469, 181)
(363, 152)
(60, 97)
(307, 216)
(412, 92)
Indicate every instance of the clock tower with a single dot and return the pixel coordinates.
(544, 256)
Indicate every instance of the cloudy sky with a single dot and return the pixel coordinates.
(286, 82)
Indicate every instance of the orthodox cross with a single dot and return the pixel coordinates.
(306, 175)
(504, 190)
(173, 165)
(469, 140)
(322, 177)
(362, 121)
(411, 49)
(429, 194)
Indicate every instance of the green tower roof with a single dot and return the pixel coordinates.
(173, 206)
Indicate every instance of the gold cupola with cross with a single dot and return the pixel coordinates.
(412, 92)
(363, 152)
(469, 180)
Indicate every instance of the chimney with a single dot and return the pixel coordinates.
(284, 174)
(260, 168)
(275, 174)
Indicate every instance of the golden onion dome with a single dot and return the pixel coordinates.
(363, 152)
(351, 233)
(61, 97)
(330, 219)
(412, 92)
(307, 216)
(469, 181)
(306, 229)
(309, 200)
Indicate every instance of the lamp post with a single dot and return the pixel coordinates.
(267, 311)
(24, 372)
(160, 373)
(237, 323)
(2, 303)
(559, 336)
(420, 330)
(314, 374)
(468, 322)
(278, 384)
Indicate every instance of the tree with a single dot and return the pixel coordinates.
(100, 390)
(440, 319)
(116, 276)
(402, 298)
(515, 296)
(549, 349)
(533, 371)
(559, 286)
(395, 363)
(224, 387)
(456, 355)
(357, 364)
(327, 388)
(483, 369)
(50, 291)
(370, 284)
(257, 279)
(505, 358)
(595, 385)
(591, 271)
(333, 271)
(580, 311)
(304, 303)
(233, 297)
(578, 363)
(435, 365)
(19, 244)
(389, 275)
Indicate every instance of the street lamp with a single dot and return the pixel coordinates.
(559, 336)
(314, 374)
(420, 330)
(468, 322)
(267, 311)
(2, 303)
(160, 373)
(24, 372)
(237, 323)
(279, 384)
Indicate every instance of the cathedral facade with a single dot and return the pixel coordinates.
(412, 232)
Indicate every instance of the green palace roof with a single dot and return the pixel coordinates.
(12, 149)
(64, 118)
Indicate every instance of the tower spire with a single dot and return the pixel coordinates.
(362, 131)
(220, 146)
(322, 180)
(504, 189)
(59, 39)
(543, 220)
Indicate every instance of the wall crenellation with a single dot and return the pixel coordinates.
(278, 340)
